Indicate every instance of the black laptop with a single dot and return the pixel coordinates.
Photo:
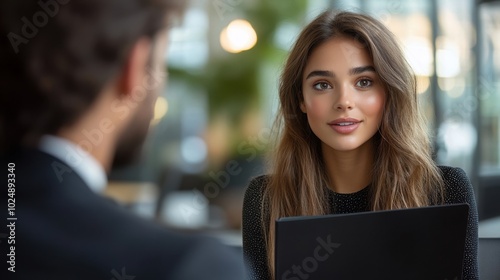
(417, 243)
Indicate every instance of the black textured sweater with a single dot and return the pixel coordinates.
(458, 190)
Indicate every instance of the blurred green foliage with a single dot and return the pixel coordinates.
(232, 80)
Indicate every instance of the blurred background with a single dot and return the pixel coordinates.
(213, 120)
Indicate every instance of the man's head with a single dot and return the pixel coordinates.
(86, 70)
(143, 96)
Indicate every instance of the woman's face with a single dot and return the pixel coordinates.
(343, 95)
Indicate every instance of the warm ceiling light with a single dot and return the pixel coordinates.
(238, 36)
(160, 110)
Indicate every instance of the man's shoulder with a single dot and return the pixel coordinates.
(36, 171)
(62, 213)
(178, 254)
(117, 238)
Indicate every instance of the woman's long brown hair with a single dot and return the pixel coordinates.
(404, 174)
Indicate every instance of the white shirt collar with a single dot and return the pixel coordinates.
(84, 164)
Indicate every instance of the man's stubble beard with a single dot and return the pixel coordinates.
(131, 141)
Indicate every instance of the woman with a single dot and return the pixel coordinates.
(352, 138)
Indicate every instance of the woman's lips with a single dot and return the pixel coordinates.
(344, 126)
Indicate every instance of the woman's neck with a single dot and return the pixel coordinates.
(349, 171)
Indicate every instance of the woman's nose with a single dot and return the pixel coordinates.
(345, 100)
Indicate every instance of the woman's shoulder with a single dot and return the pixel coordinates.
(454, 176)
(451, 173)
(254, 195)
(256, 187)
(458, 187)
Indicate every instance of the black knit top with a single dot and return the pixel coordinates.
(458, 190)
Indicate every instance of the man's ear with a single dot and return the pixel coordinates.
(134, 69)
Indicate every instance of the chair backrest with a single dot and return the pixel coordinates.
(488, 206)
(489, 258)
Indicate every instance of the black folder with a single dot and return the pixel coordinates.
(416, 243)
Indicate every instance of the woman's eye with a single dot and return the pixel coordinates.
(322, 86)
(364, 83)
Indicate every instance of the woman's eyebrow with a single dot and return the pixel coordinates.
(320, 73)
(362, 69)
(330, 74)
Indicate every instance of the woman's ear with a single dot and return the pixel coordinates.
(302, 105)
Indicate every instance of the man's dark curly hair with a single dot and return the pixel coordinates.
(57, 55)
